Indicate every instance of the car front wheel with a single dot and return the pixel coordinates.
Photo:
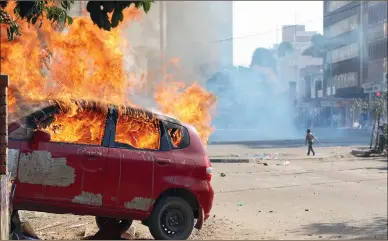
(171, 219)
(108, 223)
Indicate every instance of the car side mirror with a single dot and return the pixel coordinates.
(41, 136)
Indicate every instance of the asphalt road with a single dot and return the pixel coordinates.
(330, 196)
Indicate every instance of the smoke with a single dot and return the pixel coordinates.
(251, 104)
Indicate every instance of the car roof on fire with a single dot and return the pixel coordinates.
(53, 106)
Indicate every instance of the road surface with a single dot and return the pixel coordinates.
(330, 196)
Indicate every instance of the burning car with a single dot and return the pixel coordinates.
(116, 163)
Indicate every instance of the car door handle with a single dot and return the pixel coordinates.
(163, 161)
(92, 153)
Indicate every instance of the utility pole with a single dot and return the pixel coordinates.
(361, 51)
(162, 31)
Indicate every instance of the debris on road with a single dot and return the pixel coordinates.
(223, 174)
(130, 233)
(78, 225)
(50, 226)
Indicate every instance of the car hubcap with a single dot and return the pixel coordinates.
(173, 221)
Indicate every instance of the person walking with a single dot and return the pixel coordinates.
(309, 140)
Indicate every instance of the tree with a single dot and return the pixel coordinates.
(378, 106)
(318, 46)
(34, 11)
(263, 57)
(284, 48)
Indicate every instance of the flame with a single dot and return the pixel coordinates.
(176, 137)
(75, 123)
(194, 105)
(85, 62)
(137, 129)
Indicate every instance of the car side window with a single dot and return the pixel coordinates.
(84, 126)
(135, 131)
(20, 131)
(179, 136)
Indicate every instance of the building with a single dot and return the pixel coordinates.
(289, 66)
(193, 33)
(356, 60)
(377, 50)
(309, 103)
(187, 30)
(345, 61)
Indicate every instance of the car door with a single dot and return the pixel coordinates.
(19, 136)
(129, 169)
(164, 164)
(67, 169)
(85, 161)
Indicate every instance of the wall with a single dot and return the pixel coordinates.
(292, 63)
(377, 34)
(192, 34)
(346, 58)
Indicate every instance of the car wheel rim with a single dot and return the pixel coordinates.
(173, 221)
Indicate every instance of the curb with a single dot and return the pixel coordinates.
(225, 160)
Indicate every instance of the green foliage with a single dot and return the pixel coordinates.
(12, 26)
(378, 104)
(284, 48)
(33, 11)
(99, 11)
(264, 57)
(317, 48)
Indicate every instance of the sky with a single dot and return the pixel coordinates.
(263, 18)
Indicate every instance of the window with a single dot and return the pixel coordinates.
(377, 12)
(137, 129)
(345, 80)
(179, 135)
(71, 122)
(342, 26)
(343, 53)
(20, 131)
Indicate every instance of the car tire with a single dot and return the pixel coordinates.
(171, 219)
(104, 222)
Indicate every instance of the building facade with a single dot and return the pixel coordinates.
(289, 66)
(200, 34)
(346, 58)
(377, 50)
(356, 61)
(188, 30)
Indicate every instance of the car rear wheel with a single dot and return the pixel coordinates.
(171, 219)
(107, 223)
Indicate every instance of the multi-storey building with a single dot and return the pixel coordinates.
(346, 58)
(188, 30)
(290, 65)
(200, 34)
(344, 61)
(377, 50)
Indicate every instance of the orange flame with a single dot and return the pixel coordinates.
(85, 62)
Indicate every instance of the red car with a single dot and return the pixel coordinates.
(116, 163)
